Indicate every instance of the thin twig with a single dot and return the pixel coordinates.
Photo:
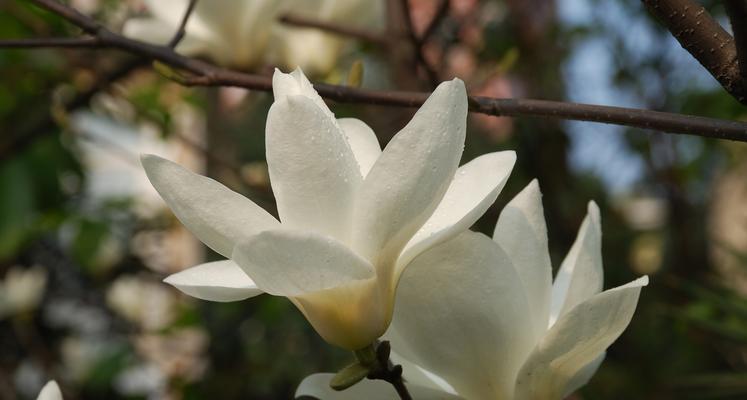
(441, 13)
(181, 31)
(84, 42)
(348, 31)
(737, 11)
(703, 37)
(417, 44)
(205, 74)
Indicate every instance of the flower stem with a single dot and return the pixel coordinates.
(376, 358)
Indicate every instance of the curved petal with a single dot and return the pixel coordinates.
(218, 216)
(333, 287)
(411, 176)
(580, 275)
(461, 314)
(363, 142)
(584, 375)
(215, 281)
(312, 170)
(419, 376)
(297, 84)
(474, 188)
(577, 339)
(317, 386)
(50, 391)
(522, 232)
(292, 263)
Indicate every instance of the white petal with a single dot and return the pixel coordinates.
(218, 216)
(296, 84)
(363, 142)
(312, 169)
(317, 386)
(411, 176)
(292, 263)
(215, 281)
(419, 376)
(472, 191)
(580, 275)
(461, 314)
(170, 12)
(50, 391)
(584, 375)
(522, 232)
(577, 339)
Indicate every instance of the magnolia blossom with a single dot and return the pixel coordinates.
(50, 391)
(21, 290)
(246, 33)
(352, 216)
(481, 319)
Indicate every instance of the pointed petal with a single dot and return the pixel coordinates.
(218, 216)
(297, 84)
(580, 275)
(312, 169)
(50, 391)
(584, 375)
(577, 339)
(461, 313)
(411, 176)
(317, 386)
(472, 191)
(363, 142)
(215, 281)
(291, 263)
(522, 232)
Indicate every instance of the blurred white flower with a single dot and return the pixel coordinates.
(179, 354)
(50, 391)
(246, 33)
(481, 319)
(353, 216)
(21, 290)
(142, 301)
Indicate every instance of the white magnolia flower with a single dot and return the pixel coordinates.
(50, 391)
(21, 290)
(353, 216)
(246, 33)
(481, 319)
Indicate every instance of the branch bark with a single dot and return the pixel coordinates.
(705, 39)
(737, 11)
(303, 22)
(205, 74)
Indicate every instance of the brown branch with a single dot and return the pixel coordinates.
(205, 74)
(737, 11)
(441, 13)
(303, 22)
(705, 39)
(417, 44)
(84, 42)
(181, 31)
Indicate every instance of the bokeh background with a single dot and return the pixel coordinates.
(85, 241)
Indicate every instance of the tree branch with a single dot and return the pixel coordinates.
(417, 44)
(205, 74)
(303, 22)
(180, 31)
(705, 39)
(737, 11)
(84, 42)
(441, 12)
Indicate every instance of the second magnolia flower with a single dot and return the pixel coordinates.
(352, 217)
